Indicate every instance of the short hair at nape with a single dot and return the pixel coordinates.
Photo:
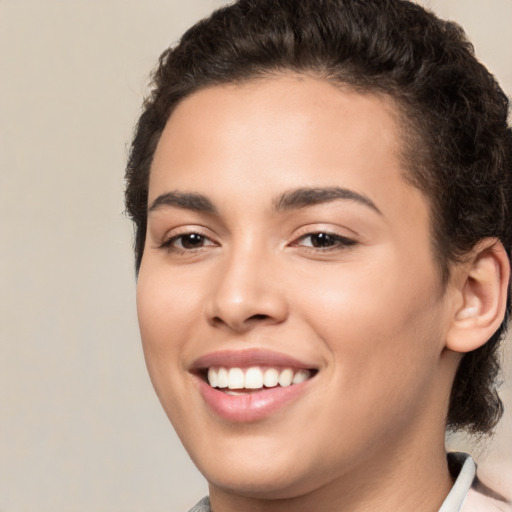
(456, 139)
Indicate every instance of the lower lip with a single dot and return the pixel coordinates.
(251, 407)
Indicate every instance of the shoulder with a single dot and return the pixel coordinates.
(476, 496)
(202, 506)
(479, 502)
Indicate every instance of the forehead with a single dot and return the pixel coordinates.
(281, 132)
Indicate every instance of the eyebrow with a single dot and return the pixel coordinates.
(291, 200)
(303, 197)
(185, 200)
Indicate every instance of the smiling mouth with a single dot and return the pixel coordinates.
(241, 381)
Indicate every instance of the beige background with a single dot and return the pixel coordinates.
(80, 427)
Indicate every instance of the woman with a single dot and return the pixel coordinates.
(322, 197)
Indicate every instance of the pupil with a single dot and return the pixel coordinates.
(191, 241)
(321, 240)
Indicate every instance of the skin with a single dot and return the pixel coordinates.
(371, 315)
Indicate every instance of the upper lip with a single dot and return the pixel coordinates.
(249, 357)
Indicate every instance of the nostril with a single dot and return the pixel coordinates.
(258, 317)
(219, 321)
(216, 320)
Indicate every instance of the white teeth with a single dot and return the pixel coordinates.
(271, 378)
(254, 377)
(301, 376)
(222, 378)
(235, 378)
(213, 378)
(286, 377)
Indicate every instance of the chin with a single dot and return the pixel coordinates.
(262, 484)
(271, 476)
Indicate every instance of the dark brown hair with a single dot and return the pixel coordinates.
(457, 142)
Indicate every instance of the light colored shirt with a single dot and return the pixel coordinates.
(468, 494)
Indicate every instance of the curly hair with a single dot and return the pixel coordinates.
(453, 114)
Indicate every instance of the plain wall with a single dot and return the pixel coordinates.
(80, 426)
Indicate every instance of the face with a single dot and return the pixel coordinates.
(291, 313)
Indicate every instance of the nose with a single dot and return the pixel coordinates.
(246, 292)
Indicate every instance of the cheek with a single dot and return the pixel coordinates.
(166, 300)
(166, 310)
(166, 314)
(381, 335)
(378, 317)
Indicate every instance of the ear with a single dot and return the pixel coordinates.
(481, 285)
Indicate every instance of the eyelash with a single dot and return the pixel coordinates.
(168, 243)
(337, 242)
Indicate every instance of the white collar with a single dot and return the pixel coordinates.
(464, 481)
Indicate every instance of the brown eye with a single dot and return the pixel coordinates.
(190, 241)
(324, 240)
(187, 242)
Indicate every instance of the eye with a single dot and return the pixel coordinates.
(187, 242)
(323, 240)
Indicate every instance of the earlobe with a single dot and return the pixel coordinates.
(481, 285)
